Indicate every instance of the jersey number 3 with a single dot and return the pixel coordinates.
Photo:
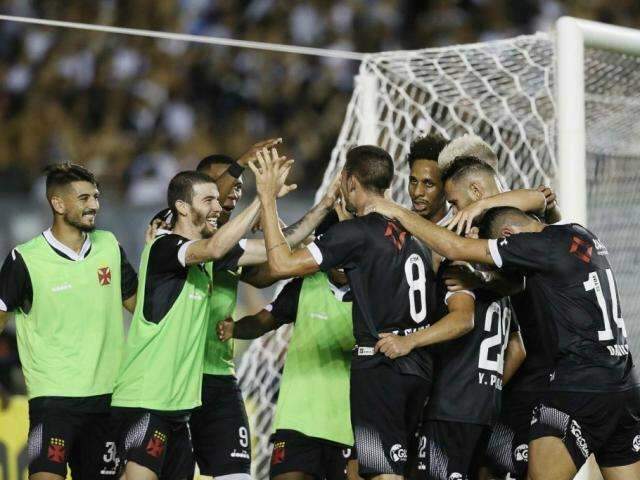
(417, 280)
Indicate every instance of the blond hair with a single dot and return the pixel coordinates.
(467, 145)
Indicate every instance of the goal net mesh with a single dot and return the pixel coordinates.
(502, 91)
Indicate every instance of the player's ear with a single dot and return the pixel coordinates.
(475, 191)
(182, 207)
(57, 204)
(507, 231)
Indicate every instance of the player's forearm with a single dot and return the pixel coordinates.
(225, 238)
(452, 326)
(295, 234)
(259, 276)
(514, 357)
(527, 200)
(278, 251)
(253, 326)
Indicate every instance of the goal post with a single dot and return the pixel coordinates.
(572, 36)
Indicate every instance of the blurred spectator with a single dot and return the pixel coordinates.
(136, 109)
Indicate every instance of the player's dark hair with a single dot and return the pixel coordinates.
(464, 165)
(495, 219)
(62, 174)
(426, 148)
(181, 188)
(372, 166)
(215, 159)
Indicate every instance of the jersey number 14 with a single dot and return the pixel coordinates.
(594, 283)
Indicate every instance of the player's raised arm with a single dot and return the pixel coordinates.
(229, 177)
(439, 239)
(533, 201)
(282, 260)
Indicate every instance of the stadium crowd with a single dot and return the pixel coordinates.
(137, 110)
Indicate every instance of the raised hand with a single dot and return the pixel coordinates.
(225, 329)
(463, 220)
(383, 206)
(394, 346)
(250, 155)
(461, 276)
(271, 172)
(549, 196)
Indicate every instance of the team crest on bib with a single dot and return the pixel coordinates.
(636, 443)
(104, 275)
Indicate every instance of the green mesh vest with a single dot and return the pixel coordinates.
(218, 356)
(70, 342)
(162, 368)
(314, 392)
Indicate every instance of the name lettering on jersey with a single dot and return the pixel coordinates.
(408, 331)
(195, 296)
(491, 380)
(60, 288)
(600, 248)
(581, 249)
(396, 235)
(618, 350)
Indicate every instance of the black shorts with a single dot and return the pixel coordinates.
(508, 446)
(220, 428)
(158, 442)
(386, 407)
(84, 441)
(295, 452)
(605, 424)
(446, 450)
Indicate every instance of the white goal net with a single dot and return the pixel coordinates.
(504, 92)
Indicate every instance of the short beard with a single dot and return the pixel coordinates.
(80, 226)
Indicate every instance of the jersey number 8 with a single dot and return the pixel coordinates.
(417, 281)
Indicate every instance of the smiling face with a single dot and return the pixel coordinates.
(215, 171)
(78, 204)
(205, 209)
(425, 188)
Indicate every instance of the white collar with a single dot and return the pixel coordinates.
(61, 247)
(448, 216)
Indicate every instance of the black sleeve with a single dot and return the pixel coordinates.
(340, 246)
(15, 284)
(230, 260)
(163, 257)
(522, 252)
(128, 276)
(514, 326)
(285, 307)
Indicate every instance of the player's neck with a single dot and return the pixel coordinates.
(68, 235)
(186, 229)
(438, 215)
(365, 200)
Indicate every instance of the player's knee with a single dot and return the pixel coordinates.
(549, 459)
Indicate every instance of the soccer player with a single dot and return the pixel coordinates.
(394, 291)
(591, 401)
(425, 185)
(313, 434)
(472, 185)
(220, 427)
(160, 380)
(66, 288)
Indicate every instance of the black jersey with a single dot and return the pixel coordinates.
(392, 281)
(574, 301)
(469, 369)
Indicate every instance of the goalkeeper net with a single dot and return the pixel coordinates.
(502, 91)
